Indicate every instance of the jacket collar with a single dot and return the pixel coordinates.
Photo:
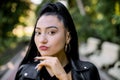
(78, 65)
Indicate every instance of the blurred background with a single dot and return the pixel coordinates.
(97, 23)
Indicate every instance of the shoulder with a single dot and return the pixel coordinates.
(87, 64)
(87, 69)
(92, 71)
(83, 65)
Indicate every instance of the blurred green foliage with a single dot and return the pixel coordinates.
(102, 20)
(10, 13)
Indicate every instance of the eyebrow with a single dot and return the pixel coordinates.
(48, 27)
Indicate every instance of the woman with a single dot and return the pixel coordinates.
(54, 45)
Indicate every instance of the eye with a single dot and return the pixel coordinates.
(51, 32)
(37, 33)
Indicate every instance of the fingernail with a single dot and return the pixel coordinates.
(36, 57)
(35, 60)
(36, 67)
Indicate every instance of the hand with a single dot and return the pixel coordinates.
(53, 64)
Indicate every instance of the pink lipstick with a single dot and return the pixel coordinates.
(43, 48)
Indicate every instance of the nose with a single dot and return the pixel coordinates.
(43, 39)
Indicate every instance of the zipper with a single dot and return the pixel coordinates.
(83, 78)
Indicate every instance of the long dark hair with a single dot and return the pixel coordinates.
(62, 13)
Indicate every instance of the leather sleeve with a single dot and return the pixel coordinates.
(92, 72)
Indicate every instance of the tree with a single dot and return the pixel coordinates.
(10, 13)
(97, 18)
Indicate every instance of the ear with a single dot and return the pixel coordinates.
(68, 37)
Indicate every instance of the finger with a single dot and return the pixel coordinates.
(43, 57)
(38, 67)
(38, 59)
(42, 63)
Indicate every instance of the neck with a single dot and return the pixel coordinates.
(62, 58)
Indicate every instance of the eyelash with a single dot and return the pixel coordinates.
(37, 33)
(49, 32)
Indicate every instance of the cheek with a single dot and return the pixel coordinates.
(58, 41)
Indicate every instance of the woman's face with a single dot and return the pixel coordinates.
(50, 35)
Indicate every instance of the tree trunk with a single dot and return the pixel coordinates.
(81, 7)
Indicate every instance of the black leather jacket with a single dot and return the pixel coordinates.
(82, 70)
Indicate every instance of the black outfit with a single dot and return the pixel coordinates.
(46, 75)
(80, 70)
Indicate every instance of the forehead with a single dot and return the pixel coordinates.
(49, 20)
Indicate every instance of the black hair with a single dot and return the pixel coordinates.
(62, 13)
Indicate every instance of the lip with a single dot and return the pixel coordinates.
(43, 48)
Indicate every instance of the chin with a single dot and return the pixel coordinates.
(45, 55)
